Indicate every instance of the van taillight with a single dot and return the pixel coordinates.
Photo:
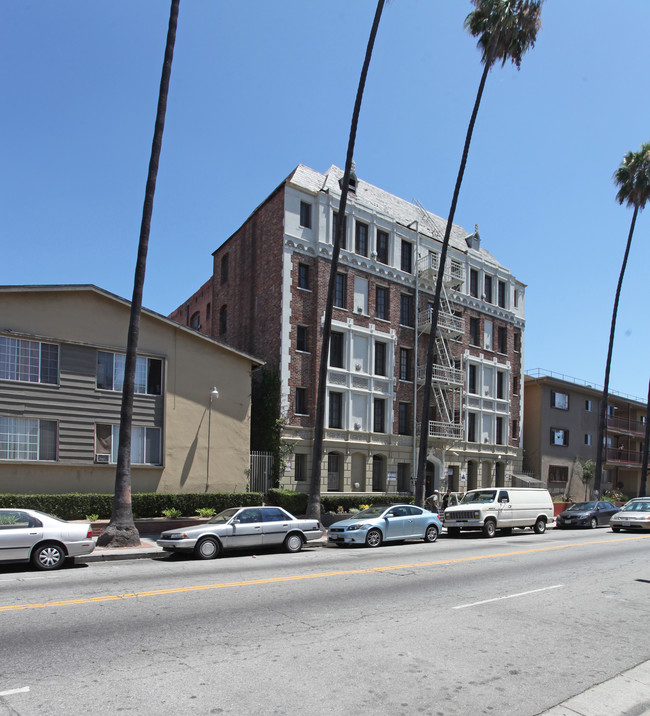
(89, 534)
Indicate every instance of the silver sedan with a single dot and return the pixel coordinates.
(44, 540)
(242, 528)
(634, 515)
(385, 523)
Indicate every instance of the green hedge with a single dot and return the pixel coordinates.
(351, 502)
(75, 506)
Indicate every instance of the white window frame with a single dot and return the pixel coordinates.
(21, 360)
(139, 447)
(20, 439)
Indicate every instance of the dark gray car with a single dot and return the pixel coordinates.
(242, 528)
(587, 514)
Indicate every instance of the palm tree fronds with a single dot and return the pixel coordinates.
(506, 29)
(633, 178)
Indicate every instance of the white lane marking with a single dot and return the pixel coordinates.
(509, 596)
(14, 691)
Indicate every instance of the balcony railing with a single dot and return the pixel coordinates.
(443, 374)
(454, 271)
(448, 322)
(626, 425)
(623, 456)
(440, 429)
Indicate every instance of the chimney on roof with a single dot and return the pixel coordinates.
(352, 184)
(474, 240)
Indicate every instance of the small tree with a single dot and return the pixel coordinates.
(588, 472)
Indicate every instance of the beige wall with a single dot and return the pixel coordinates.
(193, 365)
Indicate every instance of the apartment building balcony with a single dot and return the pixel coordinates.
(622, 457)
(443, 375)
(442, 429)
(453, 326)
(454, 275)
(625, 426)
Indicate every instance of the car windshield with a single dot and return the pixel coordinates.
(637, 507)
(223, 517)
(581, 506)
(482, 496)
(372, 511)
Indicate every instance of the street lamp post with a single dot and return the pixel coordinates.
(213, 395)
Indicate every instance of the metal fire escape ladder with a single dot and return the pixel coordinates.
(446, 379)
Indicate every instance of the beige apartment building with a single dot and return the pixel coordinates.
(61, 371)
(561, 431)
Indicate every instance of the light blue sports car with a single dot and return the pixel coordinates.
(385, 523)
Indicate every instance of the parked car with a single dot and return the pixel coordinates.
(501, 508)
(242, 528)
(634, 515)
(44, 540)
(587, 514)
(386, 523)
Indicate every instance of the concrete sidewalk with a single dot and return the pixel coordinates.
(148, 550)
(627, 694)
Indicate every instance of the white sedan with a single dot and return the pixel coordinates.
(44, 540)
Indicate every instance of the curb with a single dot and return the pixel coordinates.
(149, 551)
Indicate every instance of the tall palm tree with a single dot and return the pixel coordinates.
(313, 505)
(506, 29)
(121, 530)
(633, 179)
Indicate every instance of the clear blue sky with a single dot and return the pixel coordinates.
(259, 87)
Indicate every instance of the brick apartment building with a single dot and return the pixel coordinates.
(267, 297)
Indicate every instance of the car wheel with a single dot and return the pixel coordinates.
(293, 543)
(616, 529)
(373, 538)
(540, 526)
(453, 531)
(489, 528)
(207, 548)
(431, 534)
(593, 523)
(48, 556)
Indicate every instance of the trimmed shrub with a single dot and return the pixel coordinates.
(294, 502)
(351, 502)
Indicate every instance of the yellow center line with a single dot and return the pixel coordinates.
(319, 575)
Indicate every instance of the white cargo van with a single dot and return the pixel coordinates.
(501, 508)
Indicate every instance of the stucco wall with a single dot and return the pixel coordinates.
(193, 365)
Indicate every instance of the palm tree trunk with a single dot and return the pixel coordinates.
(121, 530)
(426, 391)
(646, 444)
(600, 448)
(313, 505)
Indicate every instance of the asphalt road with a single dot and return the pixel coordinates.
(508, 626)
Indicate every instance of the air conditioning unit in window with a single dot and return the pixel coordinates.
(102, 458)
